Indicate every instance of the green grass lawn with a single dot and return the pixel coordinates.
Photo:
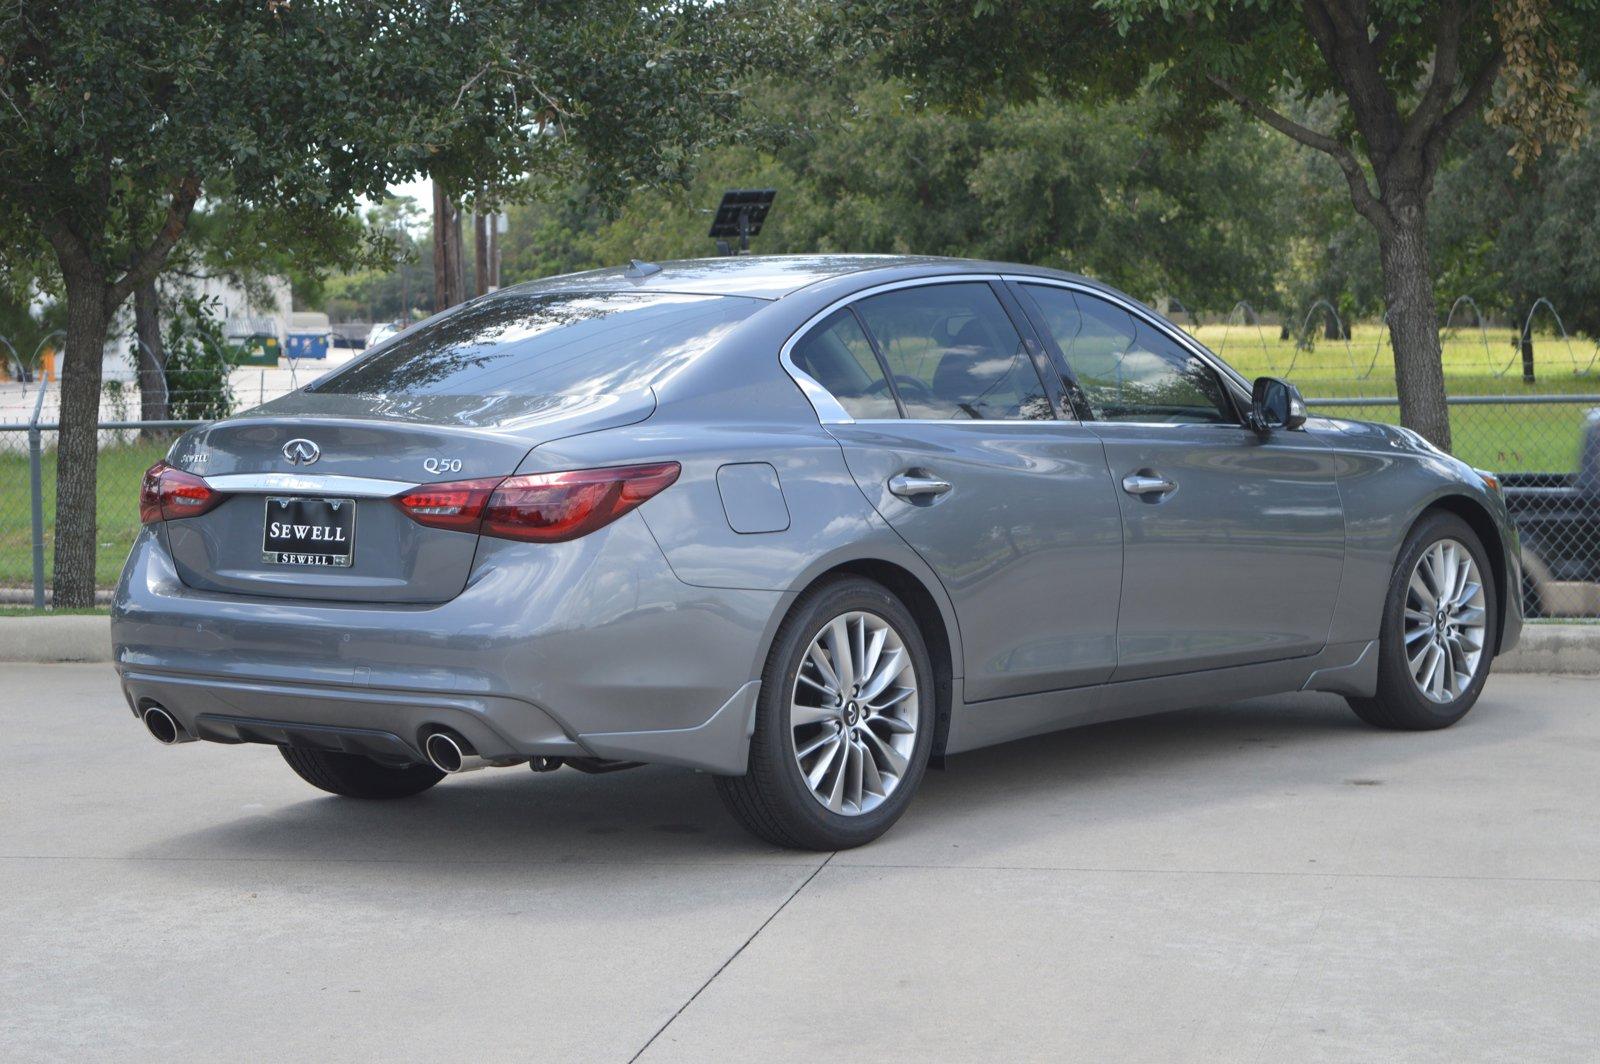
(1506, 439)
(1475, 363)
(116, 514)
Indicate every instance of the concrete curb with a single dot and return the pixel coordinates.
(1545, 648)
(70, 637)
(1554, 648)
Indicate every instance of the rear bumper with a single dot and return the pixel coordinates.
(591, 648)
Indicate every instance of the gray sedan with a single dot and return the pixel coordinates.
(806, 524)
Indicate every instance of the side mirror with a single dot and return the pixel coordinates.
(1275, 404)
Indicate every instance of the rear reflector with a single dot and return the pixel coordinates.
(538, 507)
(167, 493)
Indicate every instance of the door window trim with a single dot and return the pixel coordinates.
(831, 412)
(1232, 383)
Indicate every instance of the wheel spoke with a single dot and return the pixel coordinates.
(1420, 588)
(854, 755)
(816, 684)
(871, 779)
(892, 665)
(803, 752)
(893, 759)
(839, 646)
(819, 658)
(800, 714)
(891, 724)
(824, 762)
(891, 699)
(836, 792)
(874, 653)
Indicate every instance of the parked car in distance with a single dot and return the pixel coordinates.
(803, 523)
(381, 332)
(1558, 518)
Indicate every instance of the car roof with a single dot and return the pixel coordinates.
(765, 276)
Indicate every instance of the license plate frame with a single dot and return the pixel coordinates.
(312, 513)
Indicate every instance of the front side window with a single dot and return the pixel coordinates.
(549, 343)
(1126, 369)
(953, 354)
(837, 355)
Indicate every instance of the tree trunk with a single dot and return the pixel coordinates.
(1527, 359)
(494, 252)
(449, 273)
(1414, 327)
(458, 259)
(480, 253)
(153, 403)
(77, 449)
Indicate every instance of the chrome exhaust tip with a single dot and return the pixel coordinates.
(164, 727)
(447, 755)
(452, 754)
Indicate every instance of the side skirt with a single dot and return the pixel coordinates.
(1343, 668)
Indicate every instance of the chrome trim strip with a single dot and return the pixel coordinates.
(829, 410)
(309, 484)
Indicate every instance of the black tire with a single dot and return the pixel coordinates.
(355, 776)
(772, 800)
(1398, 703)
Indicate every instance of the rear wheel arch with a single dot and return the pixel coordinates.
(931, 620)
(1483, 526)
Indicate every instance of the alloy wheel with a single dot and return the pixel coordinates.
(1445, 621)
(853, 713)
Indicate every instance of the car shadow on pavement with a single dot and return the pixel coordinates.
(1145, 768)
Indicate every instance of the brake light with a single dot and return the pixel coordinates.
(538, 507)
(167, 493)
(457, 505)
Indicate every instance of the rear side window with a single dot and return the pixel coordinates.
(568, 343)
(953, 353)
(837, 355)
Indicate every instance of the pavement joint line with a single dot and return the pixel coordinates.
(732, 957)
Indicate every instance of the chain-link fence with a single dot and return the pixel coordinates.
(1546, 449)
(28, 467)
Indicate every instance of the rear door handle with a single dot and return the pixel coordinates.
(1147, 484)
(912, 485)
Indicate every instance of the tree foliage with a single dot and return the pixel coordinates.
(1405, 76)
(121, 115)
(859, 168)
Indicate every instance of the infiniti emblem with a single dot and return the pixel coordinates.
(301, 452)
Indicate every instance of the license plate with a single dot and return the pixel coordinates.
(309, 532)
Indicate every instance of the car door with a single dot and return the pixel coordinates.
(1233, 543)
(955, 441)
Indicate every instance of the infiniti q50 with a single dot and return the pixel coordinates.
(806, 524)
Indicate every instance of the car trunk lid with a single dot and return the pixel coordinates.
(308, 485)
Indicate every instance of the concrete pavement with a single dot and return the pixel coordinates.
(1265, 881)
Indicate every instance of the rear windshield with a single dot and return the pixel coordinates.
(567, 343)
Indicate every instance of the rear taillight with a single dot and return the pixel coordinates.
(457, 505)
(167, 493)
(538, 507)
